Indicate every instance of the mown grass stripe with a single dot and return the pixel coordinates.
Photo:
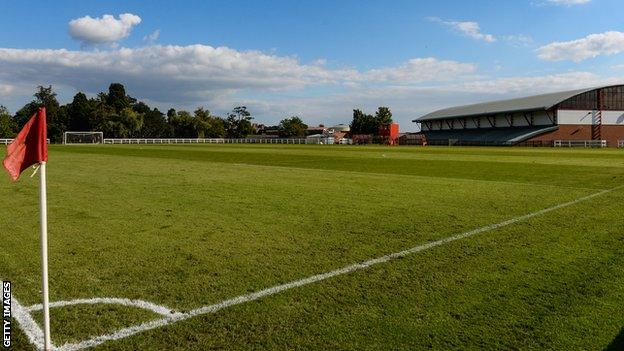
(126, 332)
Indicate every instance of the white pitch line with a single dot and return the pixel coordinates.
(146, 305)
(126, 332)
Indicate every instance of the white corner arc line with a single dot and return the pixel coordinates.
(146, 305)
(126, 332)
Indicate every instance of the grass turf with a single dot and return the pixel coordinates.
(188, 226)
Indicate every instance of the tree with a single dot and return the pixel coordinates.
(201, 122)
(155, 125)
(7, 124)
(117, 98)
(238, 123)
(292, 127)
(23, 114)
(207, 125)
(217, 128)
(182, 124)
(242, 113)
(231, 126)
(363, 123)
(141, 107)
(47, 97)
(383, 116)
(100, 115)
(57, 123)
(79, 111)
(57, 116)
(132, 120)
(154, 122)
(44, 96)
(125, 124)
(171, 113)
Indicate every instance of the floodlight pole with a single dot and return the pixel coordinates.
(43, 211)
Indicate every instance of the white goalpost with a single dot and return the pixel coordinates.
(83, 138)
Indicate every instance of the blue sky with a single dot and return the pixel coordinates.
(317, 59)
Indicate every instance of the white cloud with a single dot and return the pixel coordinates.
(526, 85)
(468, 28)
(420, 69)
(105, 29)
(189, 74)
(519, 40)
(607, 43)
(216, 77)
(271, 86)
(568, 2)
(409, 102)
(151, 38)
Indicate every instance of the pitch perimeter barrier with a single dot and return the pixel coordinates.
(528, 143)
(459, 142)
(580, 143)
(6, 141)
(202, 141)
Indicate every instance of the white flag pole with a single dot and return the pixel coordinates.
(43, 210)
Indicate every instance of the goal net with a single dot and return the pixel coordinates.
(83, 138)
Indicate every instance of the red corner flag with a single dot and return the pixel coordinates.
(29, 146)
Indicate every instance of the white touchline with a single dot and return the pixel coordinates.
(37, 335)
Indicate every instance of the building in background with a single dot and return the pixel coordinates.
(320, 129)
(389, 134)
(338, 134)
(584, 114)
(341, 133)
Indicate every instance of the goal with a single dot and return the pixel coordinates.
(83, 138)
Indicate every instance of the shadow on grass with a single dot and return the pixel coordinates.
(618, 343)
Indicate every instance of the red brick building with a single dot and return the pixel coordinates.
(578, 115)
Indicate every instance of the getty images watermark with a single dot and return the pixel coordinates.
(6, 314)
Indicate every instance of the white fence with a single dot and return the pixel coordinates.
(8, 141)
(580, 143)
(203, 141)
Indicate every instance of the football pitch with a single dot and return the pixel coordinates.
(198, 247)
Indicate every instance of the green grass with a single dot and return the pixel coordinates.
(188, 226)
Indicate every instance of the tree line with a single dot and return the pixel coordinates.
(367, 124)
(119, 115)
